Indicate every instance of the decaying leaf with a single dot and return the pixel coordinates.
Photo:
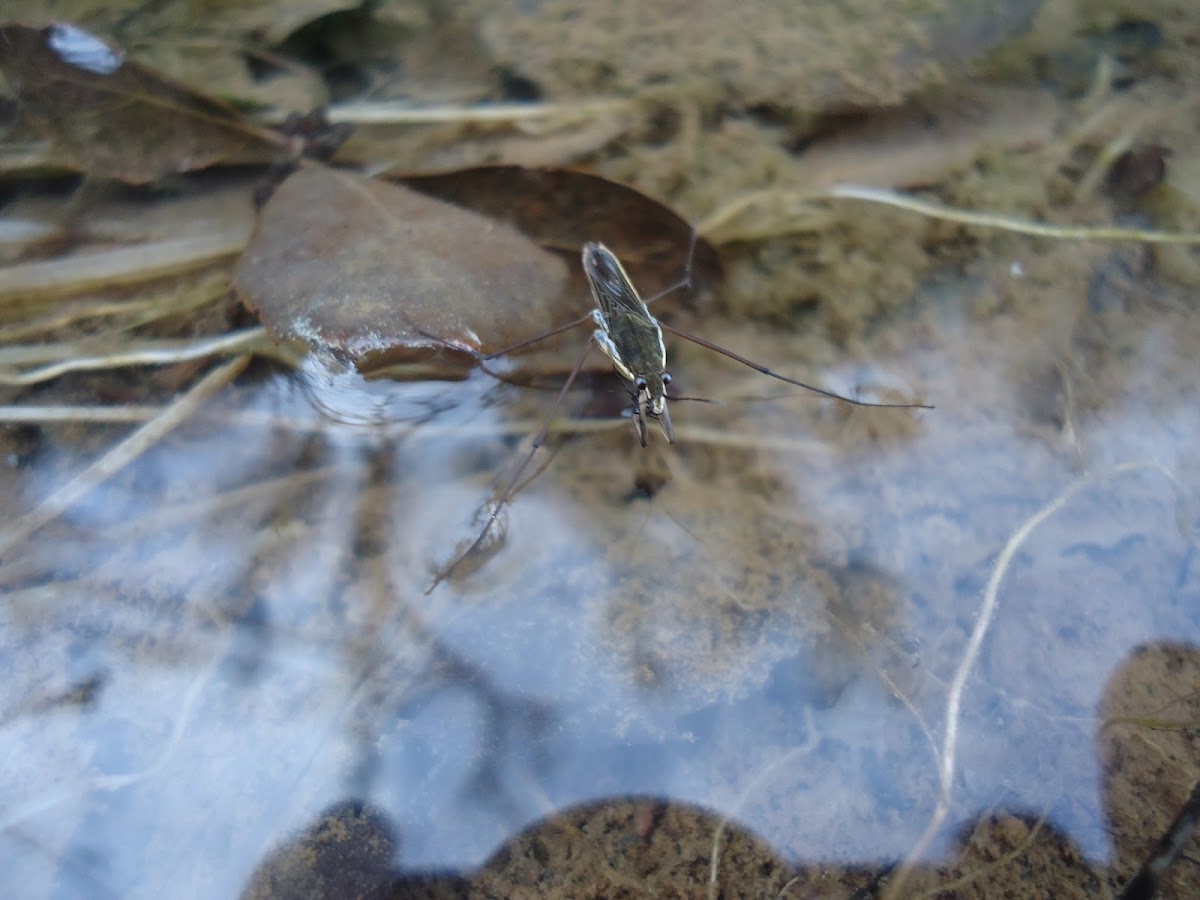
(114, 118)
(361, 267)
(367, 268)
(564, 209)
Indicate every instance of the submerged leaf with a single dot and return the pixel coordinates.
(114, 118)
(565, 209)
(361, 266)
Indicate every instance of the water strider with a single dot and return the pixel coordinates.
(632, 338)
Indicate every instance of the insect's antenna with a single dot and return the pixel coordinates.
(708, 345)
(510, 488)
(697, 400)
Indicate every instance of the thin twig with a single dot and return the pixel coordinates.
(143, 354)
(787, 887)
(798, 201)
(186, 709)
(1007, 223)
(404, 113)
(697, 434)
(122, 313)
(210, 506)
(974, 874)
(122, 454)
(61, 318)
(1151, 723)
(800, 209)
(758, 780)
(123, 266)
(987, 611)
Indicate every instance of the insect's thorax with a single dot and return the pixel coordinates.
(635, 345)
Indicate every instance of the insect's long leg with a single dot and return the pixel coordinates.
(708, 345)
(501, 376)
(686, 280)
(510, 487)
(481, 360)
(541, 337)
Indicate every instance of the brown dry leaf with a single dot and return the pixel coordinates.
(116, 119)
(564, 209)
(362, 266)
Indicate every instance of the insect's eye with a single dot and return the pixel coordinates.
(640, 384)
(666, 377)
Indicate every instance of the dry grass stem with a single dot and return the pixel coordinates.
(948, 760)
(796, 753)
(695, 434)
(950, 886)
(1103, 163)
(32, 283)
(403, 113)
(135, 353)
(1008, 223)
(132, 312)
(794, 212)
(186, 710)
(213, 505)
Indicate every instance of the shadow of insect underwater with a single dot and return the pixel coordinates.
(632, 338)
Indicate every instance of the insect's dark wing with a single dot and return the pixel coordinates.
(612, 290)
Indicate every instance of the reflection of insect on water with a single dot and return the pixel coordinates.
(632, 338)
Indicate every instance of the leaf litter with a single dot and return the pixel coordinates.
(363, 267)
(114, 118)
(565, 209)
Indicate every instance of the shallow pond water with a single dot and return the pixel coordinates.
(770, 632)
(809, 650)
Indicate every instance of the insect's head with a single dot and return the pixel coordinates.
(651, 389)
(650, 400)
